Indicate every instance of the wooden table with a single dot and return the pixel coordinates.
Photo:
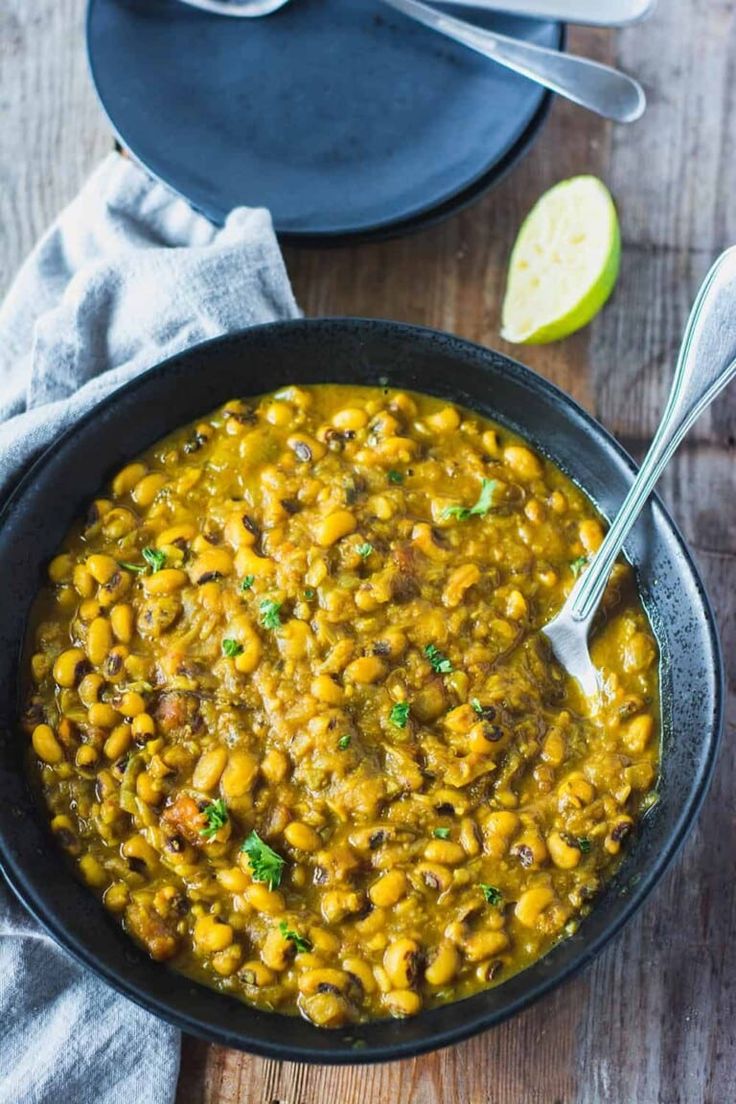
(654, 1020)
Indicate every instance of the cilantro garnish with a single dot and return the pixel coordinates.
(440, 663)
(231, 647)
(395, 477)
(399, 714)
(441, 833)
(577, 565)
(310, 593)
(216, 816)
(583, 845)
(270, 615)
(247, 582)
(482, 506)
(266, 865)
(344, 742)
(364, 550)
(137, 569)
(302, 945)
(155, 558)
(492, 895)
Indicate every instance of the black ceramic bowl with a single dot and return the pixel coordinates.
(38, 515)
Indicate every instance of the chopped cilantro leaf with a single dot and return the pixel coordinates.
(395, 477)
(477, 707)
(216, 816)
(482, 506)
(492, 895)
(231, 647)
(138, 569)
(344, 742)
(310, 593)
(441, 833)
(583, 844)
(440, 663)
(154, 557)
(577, 565)
(266, 865)
(270, 616)
(400, 714)
(247, 582)
(364, 550)
(302, 945)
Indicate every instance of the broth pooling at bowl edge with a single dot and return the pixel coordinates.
(293, 719)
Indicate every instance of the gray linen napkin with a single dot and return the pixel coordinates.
(127, 276)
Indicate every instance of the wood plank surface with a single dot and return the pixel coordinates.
(654, 1020)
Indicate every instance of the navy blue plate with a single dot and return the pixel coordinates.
(343, 117)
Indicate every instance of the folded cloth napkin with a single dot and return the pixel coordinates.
(126, 277)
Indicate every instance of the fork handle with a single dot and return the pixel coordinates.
(705, 365)
(602, 13)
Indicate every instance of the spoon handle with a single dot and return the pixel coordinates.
(606, 91)
(706, 363)
(601, 13)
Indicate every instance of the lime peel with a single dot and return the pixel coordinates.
(564, 263)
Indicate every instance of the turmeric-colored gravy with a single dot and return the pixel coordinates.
(293, 717)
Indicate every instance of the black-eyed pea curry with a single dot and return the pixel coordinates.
(293, 718)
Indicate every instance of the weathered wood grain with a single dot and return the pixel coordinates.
(654, 1020)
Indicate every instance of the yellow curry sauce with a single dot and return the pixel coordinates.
(295, 723)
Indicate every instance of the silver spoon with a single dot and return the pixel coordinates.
(606, 91)
(593, 13)
(706, 363)
(249, 9)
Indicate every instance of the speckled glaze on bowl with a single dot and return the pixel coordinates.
(54, 492)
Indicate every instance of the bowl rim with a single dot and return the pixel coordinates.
(435, 1040)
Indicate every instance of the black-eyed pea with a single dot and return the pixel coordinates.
(638, 734)
(434, 876)
(127, 478)
(489, 440)
(366, 670)
(140, 850)
(166, 581)
(233, 879)
(211, 564)
(554, 747)
(263, 899)
(211, 935)
(351, 418)
(209, 768)
(590, 532)
(60, 569)
(227, 962)
(443, 421)
(532, 904)
(327, 978)
(516, 607)
(326, 1009)
(302, 837)
(422, 535)
(102, 715)
(325, 689)
(88, 610)
(116, 897)
(148, 788)
(563, 854)
(336, 904)
(443, 964)
(470, 837)
(40, 666)
(388, 889)
(132, 704)
(256, 974)
(147, 488)
(110, 593)
(93, 871)
(295, 639)
(618, 833)
(522, 462)
(275, 765)
(99, 640)
(82, 581)
(401, 962)
(277, 951)
(328, 530)
(46, 746)
(86, 756)
(101, 567)
(484, 944)
(143, 726)
(251, 654)
(360, 969)
(575, 791)
(445, 852)
(70, 667)
(114, 666)
(239, 773)
(461, 719)
(118, 742)
(403, 1002)
(499, 829)
(530, 849)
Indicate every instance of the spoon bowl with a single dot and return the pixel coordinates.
(244, 9)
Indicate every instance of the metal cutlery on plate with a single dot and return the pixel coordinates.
(600, 88)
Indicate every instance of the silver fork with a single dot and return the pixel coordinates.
(706, 363)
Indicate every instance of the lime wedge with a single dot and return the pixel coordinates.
(564, 264)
